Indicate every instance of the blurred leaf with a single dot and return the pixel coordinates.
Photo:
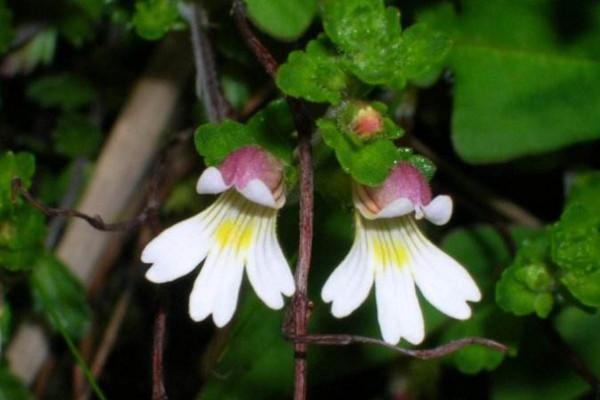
(518, 91)
(93, 8)
(315, 74)
(55, 287)
(376, 49)
(22, 234)
(527, 285)
(154, 18)
(6, 26)
(74, 135)
(64, 91)
(282, 19)
(368, 162)
(575, 240)
(236, 89)
(20, 165)
(77, 28)
(11, 388)
(271, 128)
(39, 50)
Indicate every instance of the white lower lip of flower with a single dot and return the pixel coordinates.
(394, 254)
(232, 233)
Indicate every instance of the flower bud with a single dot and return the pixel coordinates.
(367, 122)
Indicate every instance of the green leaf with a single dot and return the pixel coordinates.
(74, 135)
(39, 50)
(6, 26)
(63, 91)
(527, 285)
(20, 165)
(55, 287)
(315, 74)
(376, 50)
(575, 240)
(154, 18)
(282, 19)
(368, 162)
(518, 90)
(93, 8)
(22, 234)
(271, 129)
(77, 28)
(11, 388)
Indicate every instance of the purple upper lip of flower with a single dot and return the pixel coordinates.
(251, 162)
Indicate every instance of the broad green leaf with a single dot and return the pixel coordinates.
(368, 162)
(11, 388)
(518, 90)
(282, 19)
(315, 74)
(375, 48)
(64, 91)
(74, 135)
(575, 240)
(55, 287)
(6, 26)
(154, 18)
(527, 285)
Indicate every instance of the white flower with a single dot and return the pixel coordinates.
(390, 250)
(236, 231)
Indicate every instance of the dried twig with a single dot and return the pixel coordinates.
(427, 354)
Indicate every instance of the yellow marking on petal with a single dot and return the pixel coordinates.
(240, 237)
(390, 252)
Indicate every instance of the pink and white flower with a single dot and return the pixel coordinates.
(390, 251)
(238, 230)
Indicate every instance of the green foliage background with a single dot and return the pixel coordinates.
(503, 94)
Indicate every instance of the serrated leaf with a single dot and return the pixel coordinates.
(575, 240)
(154, 18)
(376, 50)
(519, 91)
(368, 162)
(315, 74)
(527, 285)
(74, 135)
(282, 19)
(55, 287)
(6, 26)
(271, 128)
(64, 91)
(11, 388)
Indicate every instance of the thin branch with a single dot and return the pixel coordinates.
(160, 322)
(297, 315)
(207, 83)
(95, 221)
(427, 354)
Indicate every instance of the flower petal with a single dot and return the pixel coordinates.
(264, 282)
(211, 182)
(396, 208)
(229, 290)
(439, 210)
(180, 248)
(387, 312)
(257, 192)
(278, 263)
(409, 310)
(206, 286)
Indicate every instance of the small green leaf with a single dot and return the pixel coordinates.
(154, 18)
(271, 128)
(11, 388)
(64, 91)
(527, 285)
(93, 8)
(55, 287)
(22, 234)
(77, 28)
(74, 135)
(282, 19)
(368, 162)
(315, 74)
(6, 26)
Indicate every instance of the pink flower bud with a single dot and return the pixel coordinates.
(367, 122)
